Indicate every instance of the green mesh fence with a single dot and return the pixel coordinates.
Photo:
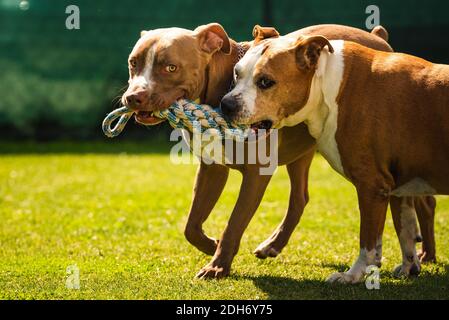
(59, 83)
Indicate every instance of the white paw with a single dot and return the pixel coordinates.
(265, 250)
(344, 278)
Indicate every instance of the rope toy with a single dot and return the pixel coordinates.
(182, 114)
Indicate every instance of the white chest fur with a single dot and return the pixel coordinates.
(323, 126)
(320, 113)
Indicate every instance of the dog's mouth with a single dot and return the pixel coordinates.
(262, 125)
(147, 118)
(259, 130)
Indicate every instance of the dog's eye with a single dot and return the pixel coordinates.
(133, 63)
(171, 68)
(265, 83)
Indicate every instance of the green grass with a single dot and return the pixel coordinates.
(118, 211)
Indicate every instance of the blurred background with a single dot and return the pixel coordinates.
(58, 84)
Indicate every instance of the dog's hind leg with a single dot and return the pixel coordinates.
(209, 184)
(298, 172)
(425, 210)
(404, 219)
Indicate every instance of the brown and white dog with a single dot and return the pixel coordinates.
(167, 64)
(381, 119)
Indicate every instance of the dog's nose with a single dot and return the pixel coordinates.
(137, 99)
(229, 105)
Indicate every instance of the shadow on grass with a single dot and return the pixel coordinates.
(426, 286)
(338, 267)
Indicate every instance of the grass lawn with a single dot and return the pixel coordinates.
(118, 210)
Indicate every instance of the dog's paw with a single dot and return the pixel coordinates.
(425, 257)
(213, 272)
(266, 250)
(407, 270)
(344, 278)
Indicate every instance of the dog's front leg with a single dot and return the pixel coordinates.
(298, 172)
(373, 204)
(209, 184)
(251, 193)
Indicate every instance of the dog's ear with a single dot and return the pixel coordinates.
(142, 33)
(261, 33)
(308, 50)
(212, 38)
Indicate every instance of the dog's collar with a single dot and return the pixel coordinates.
(240, 53)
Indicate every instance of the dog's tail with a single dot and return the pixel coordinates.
(381, 32)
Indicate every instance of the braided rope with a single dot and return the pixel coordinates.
(182, 114)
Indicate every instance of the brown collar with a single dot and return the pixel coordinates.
(240, 53)
(206, 87)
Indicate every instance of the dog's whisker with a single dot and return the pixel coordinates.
(117, 100)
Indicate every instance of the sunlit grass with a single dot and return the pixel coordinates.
(120, 218)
